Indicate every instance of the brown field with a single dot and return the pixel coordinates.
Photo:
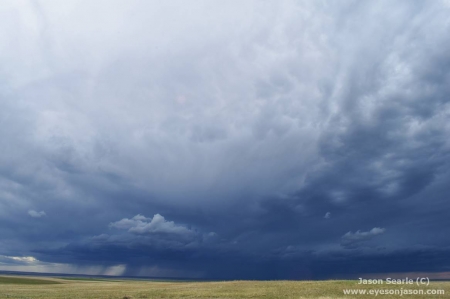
(15, 287)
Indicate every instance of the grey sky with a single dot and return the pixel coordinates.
(209, 139)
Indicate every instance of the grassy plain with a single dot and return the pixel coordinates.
(39, 288)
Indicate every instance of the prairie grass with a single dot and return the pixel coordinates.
(48, 288)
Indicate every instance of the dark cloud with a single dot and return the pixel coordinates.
(268, 140)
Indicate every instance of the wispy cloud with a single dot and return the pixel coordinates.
(351, 239)
(35, 214)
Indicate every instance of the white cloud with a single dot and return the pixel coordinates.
(351, 239)
(4, 259)
(35, 214)
(361, 235)
(158, 224)
(156, 232)
(327, 215)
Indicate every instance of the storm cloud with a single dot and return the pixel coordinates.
(266, 140)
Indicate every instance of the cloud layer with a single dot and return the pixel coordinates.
(279, 139)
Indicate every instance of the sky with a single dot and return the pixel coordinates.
(225, 139)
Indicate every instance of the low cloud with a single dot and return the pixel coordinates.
(158, 224)
(17, 260)
(35, 214)
(155, 232)
(32, 264)
(351, 239)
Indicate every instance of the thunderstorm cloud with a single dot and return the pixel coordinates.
(225, 139)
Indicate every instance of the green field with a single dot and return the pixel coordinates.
(37, 287)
